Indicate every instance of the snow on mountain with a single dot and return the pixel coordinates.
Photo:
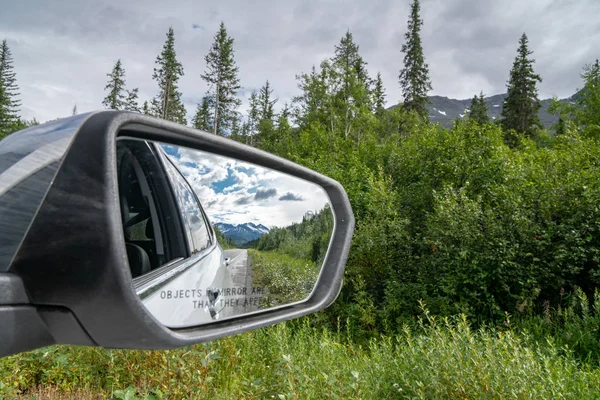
(242, 233)
(444, 110)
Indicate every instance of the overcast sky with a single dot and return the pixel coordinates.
(63, 49)
(236, 192)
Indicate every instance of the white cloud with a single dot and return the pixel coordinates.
(237, 192)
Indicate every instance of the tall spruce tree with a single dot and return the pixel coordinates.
(414, 77)
(589, 100)
(583, 111)
(521, 105)
(266, 103)
(221, 75)
(116, 98)
(250, 126)
(119, 98)
(203, 118)
(146, 108)
(131, 101)
(378, 95)
(479, 110)
(350, 83)
(9, 90)
(311, 105)
(167, 104)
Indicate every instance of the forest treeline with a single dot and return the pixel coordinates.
(307, 240)
(484, 218)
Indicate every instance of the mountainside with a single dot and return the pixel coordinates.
(445, 110)
(242, 233)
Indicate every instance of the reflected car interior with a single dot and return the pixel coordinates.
(153, 235)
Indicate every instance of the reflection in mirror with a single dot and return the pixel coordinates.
(210, 237)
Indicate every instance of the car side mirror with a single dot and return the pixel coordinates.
(92, 246)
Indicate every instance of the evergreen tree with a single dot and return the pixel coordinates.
(221, 75)
(378, 95)
(9, 90)
(203, 118)
(131, 101)
(350, 84)
(146, 109)
(521, 105)
(311, 105)
(414, 77)
(479, 110)
(589, 100)
(167, 104)
(250, 127)
(74, 111)
(115, 99)
(266, 103)
(236, 127)
(583, 112)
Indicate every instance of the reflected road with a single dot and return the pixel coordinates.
(241, 273)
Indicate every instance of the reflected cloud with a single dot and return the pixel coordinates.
(263, 194)
(289, 196)
(236, 192)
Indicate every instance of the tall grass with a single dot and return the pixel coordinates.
(437, 359)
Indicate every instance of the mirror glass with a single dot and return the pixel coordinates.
(210, 237)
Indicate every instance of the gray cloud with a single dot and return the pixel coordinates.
(63, 51)
(289, 196)
(242, 201)
(263, 194)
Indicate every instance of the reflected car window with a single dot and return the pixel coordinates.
(197, 230)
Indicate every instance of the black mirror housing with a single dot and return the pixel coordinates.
(69, 281)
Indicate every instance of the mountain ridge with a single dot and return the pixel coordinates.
(242, 233)
(445, 110)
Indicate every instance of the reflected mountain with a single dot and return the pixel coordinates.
(242, 233)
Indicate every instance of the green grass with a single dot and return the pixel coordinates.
(289, 279)
(444, 359)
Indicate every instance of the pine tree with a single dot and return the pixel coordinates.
(312, 104)
(521, 105)
(414, 77)
(378, 95)
(74, 111)
(583, 111)
(9, 103)
(236, 126)
(221, 75)
(115, 99)
(203, 118)
(250, 127)
(167, 104)
(131, 101)
(350, 83)
(479, 110)
(266, 103)
(146, 109)
(589, 100)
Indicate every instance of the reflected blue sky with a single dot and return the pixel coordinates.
(236, 192)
